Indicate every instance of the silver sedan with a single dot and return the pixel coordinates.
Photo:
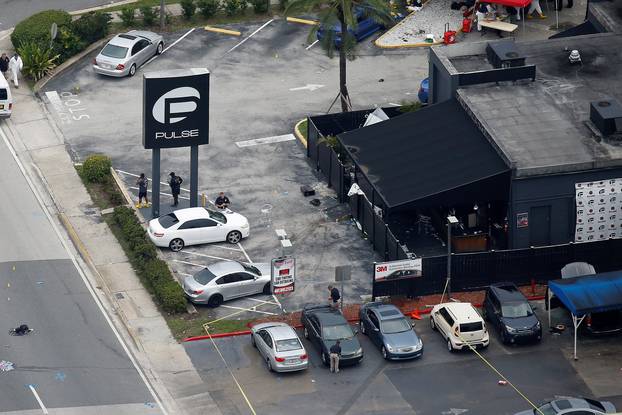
(279, 346)
(126, 52)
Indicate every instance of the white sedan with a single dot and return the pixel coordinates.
(193, 226)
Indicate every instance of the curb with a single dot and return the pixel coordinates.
(298, 134)
(303, 21)
(104, 7)
(223, 31)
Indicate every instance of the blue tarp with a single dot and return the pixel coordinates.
(590, 293)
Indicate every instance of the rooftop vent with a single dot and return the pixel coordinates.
(606, 115)
(504, 54)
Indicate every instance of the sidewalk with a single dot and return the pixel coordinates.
(41, 149)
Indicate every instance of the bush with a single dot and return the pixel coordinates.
(171, 296)
(260, 6)
(128, 16)
(92, 26)
(38, 61)
(36, 28)
(208, 8)
(243, 6)
(149, 15)
(188, 8)
(96, 168)
(67, 44)
(232, 7)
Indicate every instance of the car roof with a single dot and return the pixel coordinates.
(191, 213)
(386, 311)
(464, 310)
(507, 291)
(327, 316)
(281, 332)
(125, 40)
(224, 267)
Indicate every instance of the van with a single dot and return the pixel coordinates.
(460, 324)
(6, 100)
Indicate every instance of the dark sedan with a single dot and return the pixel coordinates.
(507, 309)
(390, 331)
(323, 326)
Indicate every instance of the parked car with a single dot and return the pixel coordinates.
(390, 331)
(6, 99)
(365, 27)
(226, 280)
(424, 87)
(323, 326)
(197, 225)
(507, 309)
(126, 52)
(572, 406)
(279, 346)
(460, 325)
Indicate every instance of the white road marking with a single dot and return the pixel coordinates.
(249, 36)
(170, 46)
(136, 175)
(248, 309)
(161, 193)
(53, 97)
(265, 140)
(185, 274)
(34, 392)
(308, 87)
(261, 301)
(245, 254)
(394, 104)
(206, 256)
(189, 263)
(311, 45)
(223, 247)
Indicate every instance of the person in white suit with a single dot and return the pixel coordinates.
(15, 66)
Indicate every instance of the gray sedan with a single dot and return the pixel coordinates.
(279, 347)
(126, 52)
(226, 280)
(573, 406)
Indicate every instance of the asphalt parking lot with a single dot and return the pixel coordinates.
(440, 383)
(259, 88)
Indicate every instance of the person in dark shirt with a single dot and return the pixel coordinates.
(4, 64)
(175, 183)
(222, 201)
(334, 297)
(335, 353)
(142, 184)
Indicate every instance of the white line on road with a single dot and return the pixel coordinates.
(261, 301)
(249, 36)
(161, 193)
(265, 140)
(311, 45)
(248, 309)
(185, 274)
(189, 263)
(394, 104)
(34, 392)
(206, 256)
(223, 247)
(136, 175)
(170, 46)
(245, 254)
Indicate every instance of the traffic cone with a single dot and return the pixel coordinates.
(415, 314)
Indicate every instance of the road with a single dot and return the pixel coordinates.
(72, 363)
(14, 11)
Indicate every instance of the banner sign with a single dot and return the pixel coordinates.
(406, 268)
(283, 275)
(599, 210)
(176, 108)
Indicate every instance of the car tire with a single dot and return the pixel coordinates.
(362, 327)
(267, 289)
(432, 324)
(253, 341)
(325, 360)
(306, 333)
(160, 48)
(132, 71)
(269, 365)
(234, 237)
(385, 355)
(176, 244)
(215, 300)
(450, 347)
(484, 314)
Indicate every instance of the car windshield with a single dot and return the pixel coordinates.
(114, 51)
(204, 276)
(513, 310)
(250, 268)
(340, 332)
(397, 325)
(288, 345)
(217, 216)
(546, 409)
(168, 220)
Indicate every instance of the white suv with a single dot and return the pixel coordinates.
(460, 324)
(6, 100)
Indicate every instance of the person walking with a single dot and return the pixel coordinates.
(4, 64)
(143, 183)
(222, 201)
(175, 183)
(334, 296)
(335, 354)
(15, 66)
(535, 6)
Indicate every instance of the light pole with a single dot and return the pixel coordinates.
(451, 221)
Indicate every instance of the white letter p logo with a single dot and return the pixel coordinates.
(176, 105)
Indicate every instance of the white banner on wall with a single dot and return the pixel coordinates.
(599, 210)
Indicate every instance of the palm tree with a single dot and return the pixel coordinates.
(341, 13)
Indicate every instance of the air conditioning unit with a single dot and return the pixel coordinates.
(504, 54)
(606, 115)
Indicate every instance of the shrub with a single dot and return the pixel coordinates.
(149, 15)
(188, 8)
(67, 43)
(231, 7)
(96, 168)
(168, 18)
(243, 6)
(260, 6)
(36, 28)
(38, 61)
(128, 15)
(208, 8)
(170, 296)
(92, 26)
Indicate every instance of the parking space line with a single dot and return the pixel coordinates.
(312, 44)
(248, 309)
(170, 46)
(34, 392)
(261, 301)
(161, 193)
(206, 325)
(245, 254)
(249, 36)
(184, 274)
(149, 178)
(189, 263)
(265, 140)
(206, 256)
(223, 247)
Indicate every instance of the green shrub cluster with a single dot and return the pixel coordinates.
(38, 62)
(153, 272)
(96, 168)
(188, 8)
(149, 15)
(208, 8)
(36, 28)
(128, 15)
(260, 6)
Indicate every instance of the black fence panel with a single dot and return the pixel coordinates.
(324, 160)
(392, 247)
(368, 220)
(336, 173)
(380, 236)
(313, 135)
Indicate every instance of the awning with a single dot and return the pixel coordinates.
(509, 3)
(424, 153)
(590, 293)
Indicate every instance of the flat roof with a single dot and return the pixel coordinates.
(540, 127)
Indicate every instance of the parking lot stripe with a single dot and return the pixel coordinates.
(39, 401)
(245, 254)
(206, 256)
(261, 301)
(170, 46)
(149, 178)
(248, 309)
(224, 247)
(189, 263)
(249, 36)
(265, 140)
(161, 193)
(312, 44)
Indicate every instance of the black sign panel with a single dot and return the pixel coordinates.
(176, 108)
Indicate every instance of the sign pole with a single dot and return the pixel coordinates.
(373, 283)
(194, 175)
(155, 182)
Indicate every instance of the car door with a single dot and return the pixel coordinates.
(446, 322)
(495, 316)
(190, 231)
(315, 332)
(141, 52)
(228, 286)
(374, 325)
(207, 231)
(265, 343)
(247, 284)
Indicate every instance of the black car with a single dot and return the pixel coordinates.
(323, 326)
(507, 309)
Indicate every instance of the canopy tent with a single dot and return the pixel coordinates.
(521, 4)
(587, 294)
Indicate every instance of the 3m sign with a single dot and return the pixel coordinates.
(283, 275)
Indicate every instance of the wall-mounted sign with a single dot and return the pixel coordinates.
(599, 210)
(283, 275)
(406, 268)
(522, 220)
(176, 108)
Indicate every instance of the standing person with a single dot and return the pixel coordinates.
(335, 354)
(222, 201)
(15, 66)
(535, 6)
(143, 184)
(175, 183)
(334, 297)
(4, 64)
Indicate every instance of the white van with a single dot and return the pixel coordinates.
(6, 100)
(460, 324)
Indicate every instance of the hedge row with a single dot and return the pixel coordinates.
(153, 272)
